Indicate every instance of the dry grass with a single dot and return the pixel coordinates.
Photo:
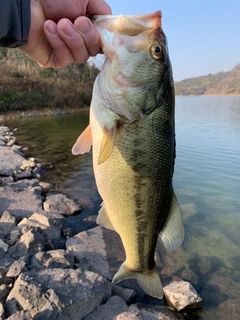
(24, 85)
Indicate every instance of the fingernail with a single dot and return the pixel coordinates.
(50, 26)
(83, 27)
(67, 28)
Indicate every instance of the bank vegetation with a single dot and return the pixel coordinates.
(24, 85)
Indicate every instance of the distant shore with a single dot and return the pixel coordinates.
(15, 114)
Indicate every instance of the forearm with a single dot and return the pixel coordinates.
(14, 22)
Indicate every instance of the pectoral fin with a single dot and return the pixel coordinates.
(83, 143)
(107, 145)
(172, 234)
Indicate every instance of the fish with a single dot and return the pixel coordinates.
(132, 135)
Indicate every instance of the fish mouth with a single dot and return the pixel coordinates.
(119, 30)
(128, 24)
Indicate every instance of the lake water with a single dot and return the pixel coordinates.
(206, 182)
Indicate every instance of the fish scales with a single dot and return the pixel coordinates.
(133, 139)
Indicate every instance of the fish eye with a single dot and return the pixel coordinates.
(156, 51)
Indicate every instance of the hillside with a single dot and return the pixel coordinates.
(222, 83)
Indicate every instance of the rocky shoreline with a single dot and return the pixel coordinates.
(48, 270)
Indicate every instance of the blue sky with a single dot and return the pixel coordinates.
(203, 36)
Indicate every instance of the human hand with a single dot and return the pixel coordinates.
(60, 34)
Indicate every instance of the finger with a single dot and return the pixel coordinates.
(56, 10)
(89, 35)
(61, 55)
(75, 40)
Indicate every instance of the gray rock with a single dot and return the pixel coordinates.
(73, 225)
(4, 291)
(51, 259)
(26, 184)
(59, 259)
(18, 150)
(38, 260)
(21, 315)
(10, 161)
(6, 262)
(11, 142)
(4, 279)
(7, 223)
(108, 311)
(2, 253)
(49, 224)
(3, 138)
(19, 202)
(126, 294)
(90, 246)
(29, 243)
(150, 312)
(1, 311)
(26, 174)
(5, 180)
(14, 236)
(130, 315)
(181, 294)
(4, 245)
(45, 186)
(3, 129)
(16, 269)
(58, 293)
(38, 172)
(28, 164)
(61, 204)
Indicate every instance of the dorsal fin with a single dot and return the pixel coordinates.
(107, 145)
(84, 142)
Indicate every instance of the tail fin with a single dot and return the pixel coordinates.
(149, 281)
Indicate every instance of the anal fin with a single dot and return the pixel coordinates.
(83, 143)
(172, 234)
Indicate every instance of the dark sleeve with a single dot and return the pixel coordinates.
(14, 22)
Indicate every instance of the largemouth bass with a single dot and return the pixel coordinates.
(132, 135)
